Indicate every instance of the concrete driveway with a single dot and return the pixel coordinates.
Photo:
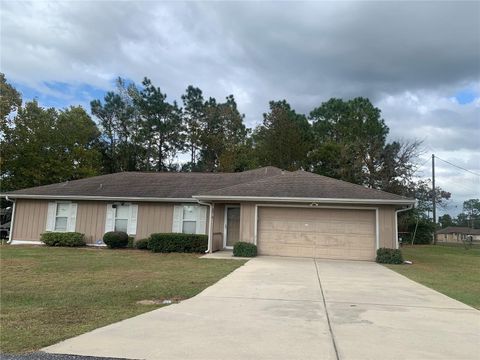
(290, 308)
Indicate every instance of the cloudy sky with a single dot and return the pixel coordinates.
(419, 62)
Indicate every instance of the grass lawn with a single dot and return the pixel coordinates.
(451, 270)
(51, 294)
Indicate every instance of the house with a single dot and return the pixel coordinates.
(457, 234)
(283, 213)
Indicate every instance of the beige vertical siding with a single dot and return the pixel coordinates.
(31, 215)
(247, 221)
(30, 219)
(386, 226)
(154, 218)
(91, 220)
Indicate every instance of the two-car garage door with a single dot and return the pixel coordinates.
(316, 232)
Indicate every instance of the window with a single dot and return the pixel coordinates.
(61, 216)
(122, 214)
(189, 225)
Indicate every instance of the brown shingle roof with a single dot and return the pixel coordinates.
(302, 184)
(264, 182)
(459, 230)
(149, 184)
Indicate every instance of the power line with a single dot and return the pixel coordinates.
(459, 167)
(421, 166)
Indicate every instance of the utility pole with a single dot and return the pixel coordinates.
(434, 200)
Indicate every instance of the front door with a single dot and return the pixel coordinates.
(232, 226)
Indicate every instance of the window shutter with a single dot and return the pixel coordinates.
(72, 221)
(132, 221)
(177, 218)
(51, 213)
(201, 220)
(110, 218)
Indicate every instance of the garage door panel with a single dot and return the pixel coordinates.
(323, 233)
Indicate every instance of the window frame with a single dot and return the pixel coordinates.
(115, 207)
(194, 220)
(67, 223)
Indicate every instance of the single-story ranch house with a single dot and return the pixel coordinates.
(284, 213)
(458, 234)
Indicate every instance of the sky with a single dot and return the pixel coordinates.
(419, 62)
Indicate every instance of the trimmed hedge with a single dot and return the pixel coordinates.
(244, 249)
(177, 242)
(389, 256)
(141, 244)
(70, 239)
(116, 239)
(131, 242)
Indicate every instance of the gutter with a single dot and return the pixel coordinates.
(12, 219)
(105, 198)
(409, 207)
(210, 225)
(307, 200)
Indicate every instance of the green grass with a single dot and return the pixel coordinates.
(451, 270)
(51, 294)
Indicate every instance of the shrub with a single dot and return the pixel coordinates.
(70, 239)
(389, 256)
(131, 242)
(244, 249)
(115, 239)
(176, 242)
(141, 244)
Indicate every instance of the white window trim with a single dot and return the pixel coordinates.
(67, 224)
(132, 219)
(71, 217)
(200, 218)
(115, 207)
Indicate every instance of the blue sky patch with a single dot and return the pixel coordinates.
(61, 95)
(466, 96)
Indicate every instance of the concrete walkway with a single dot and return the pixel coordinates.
(289, 308)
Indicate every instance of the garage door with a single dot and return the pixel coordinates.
(321, 233)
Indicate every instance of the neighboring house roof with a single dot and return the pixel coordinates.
(301, 184)
(267, 182)
(459, 230)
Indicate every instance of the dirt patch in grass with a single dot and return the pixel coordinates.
(51, 294)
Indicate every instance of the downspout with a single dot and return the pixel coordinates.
(409, 207)
(210, 225)
(10, 232)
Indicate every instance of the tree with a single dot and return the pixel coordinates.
(445, 221)
(10, 100)
(44, 146)
(223, 135)
(116, 118)
(193, 118)
(350, 144)
(471, 208)
(77, 139)
(163, 130)
(284, 139)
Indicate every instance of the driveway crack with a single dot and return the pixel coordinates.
(326, 312)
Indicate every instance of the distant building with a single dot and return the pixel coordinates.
(457, 234)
